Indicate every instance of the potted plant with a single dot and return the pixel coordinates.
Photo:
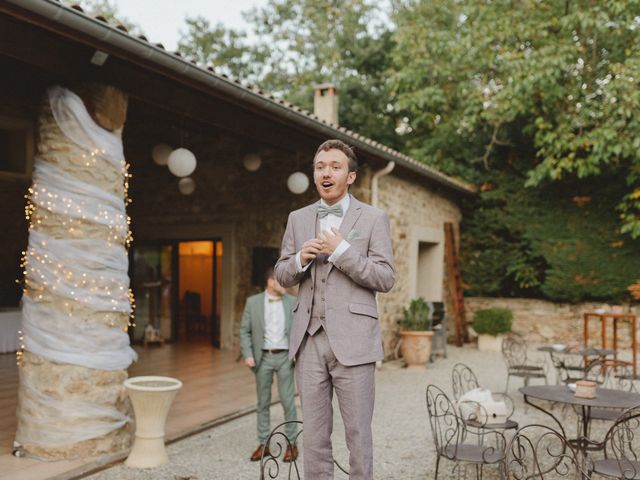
(490, 324)
(415, 333)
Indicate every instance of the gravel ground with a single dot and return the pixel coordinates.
(403, 445)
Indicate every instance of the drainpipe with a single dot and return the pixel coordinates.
(374, 181)
(374, 201)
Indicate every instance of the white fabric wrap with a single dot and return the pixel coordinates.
(83, 420)
(95, 276)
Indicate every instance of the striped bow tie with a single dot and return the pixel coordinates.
(323, 210)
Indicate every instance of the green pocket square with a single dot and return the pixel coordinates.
(353, 235)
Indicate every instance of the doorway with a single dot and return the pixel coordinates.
(177, 287)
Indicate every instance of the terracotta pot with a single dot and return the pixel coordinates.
(416, 348)
(151, 398)
(490, 343)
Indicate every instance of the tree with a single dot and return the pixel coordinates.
(227, 50)
(555, 82)
(300, 43)
(107, 10)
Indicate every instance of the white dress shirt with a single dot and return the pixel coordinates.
(275, 334)
(326, 224)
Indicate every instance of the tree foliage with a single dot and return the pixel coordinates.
(556, 82)
(296, 44)
(557, 241)
(108, 10)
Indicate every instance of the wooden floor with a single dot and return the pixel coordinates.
(214, 386)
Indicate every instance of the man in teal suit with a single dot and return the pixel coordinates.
(264, 340)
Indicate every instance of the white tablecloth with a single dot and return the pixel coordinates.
(9, 326)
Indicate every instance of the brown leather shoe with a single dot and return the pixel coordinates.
(260, 451)
(291, 454)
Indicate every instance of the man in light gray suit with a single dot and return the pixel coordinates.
(339, 252)
(264, 340)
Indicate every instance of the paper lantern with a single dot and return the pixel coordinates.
(160, 153)
(298, 183)
(182, 162)
(186, 186)
(251, 161)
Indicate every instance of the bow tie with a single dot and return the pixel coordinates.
(323, 210)
(276, 299)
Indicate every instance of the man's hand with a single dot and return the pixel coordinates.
(250, 362)
(330, 240)
(309, 251)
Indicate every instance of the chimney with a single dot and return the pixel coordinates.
(325, 102)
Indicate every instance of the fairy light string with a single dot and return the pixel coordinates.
(88, 264)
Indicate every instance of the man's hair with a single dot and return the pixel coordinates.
(335, 144)
(269, 273)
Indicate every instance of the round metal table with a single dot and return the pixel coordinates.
(605, 398)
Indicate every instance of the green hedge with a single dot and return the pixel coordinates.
(492, 321)
(557, 242)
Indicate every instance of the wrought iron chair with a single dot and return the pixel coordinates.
(451, 436)
(537, 452)
(514, 351)
(569, 368)
(621, 448)
(609, 374)
(464, 380)
(272, 463)
(614, 374)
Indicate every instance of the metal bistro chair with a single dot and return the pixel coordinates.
(272, 465)
(538, 452)
(451, 436)
(464, 380)
(572, 363)
(569, 368)
(514, 351)
(621, 448)
(612, 374)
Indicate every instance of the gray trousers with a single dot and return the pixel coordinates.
(279, 364)
(318, 373)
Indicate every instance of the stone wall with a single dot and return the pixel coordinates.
(410, 202)
(541, 321)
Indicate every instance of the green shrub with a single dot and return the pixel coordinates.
(492, 321)
(416, 317)
(558, 242)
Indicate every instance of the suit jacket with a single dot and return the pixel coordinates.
(366, 267)
(252, 326)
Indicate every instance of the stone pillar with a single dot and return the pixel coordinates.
(55, 397)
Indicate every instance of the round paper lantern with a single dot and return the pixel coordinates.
(160, 153)
(252, 161)
(182, 162)
(186, 186)
(298, 182)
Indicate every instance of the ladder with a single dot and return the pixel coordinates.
(455, 285)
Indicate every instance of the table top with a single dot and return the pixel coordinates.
(605, 397)
(584, 351)
(631, 316)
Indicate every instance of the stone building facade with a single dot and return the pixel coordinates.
(176, 102)
(249, 209)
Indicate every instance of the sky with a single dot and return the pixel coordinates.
(162, 20)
